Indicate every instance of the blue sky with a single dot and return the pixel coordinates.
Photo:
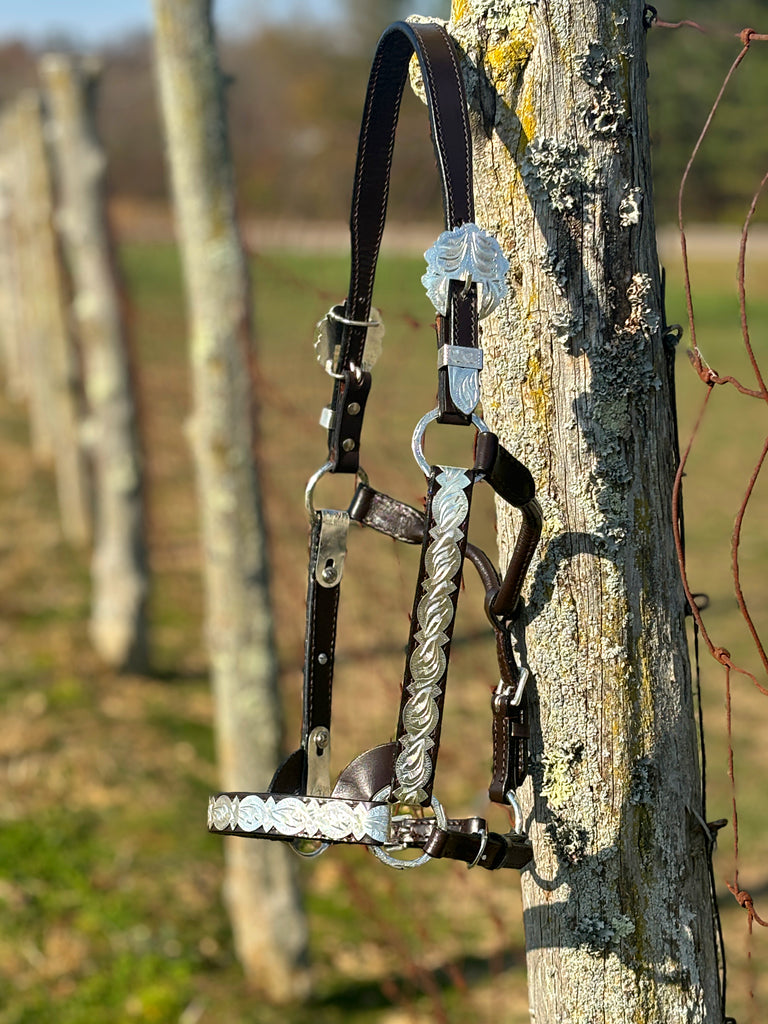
(96, 21)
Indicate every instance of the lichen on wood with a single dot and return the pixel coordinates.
(616, 904)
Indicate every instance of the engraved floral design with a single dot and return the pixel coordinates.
(467, 253)
(307, 817)
(434, 614)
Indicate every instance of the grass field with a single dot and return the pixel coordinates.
(109, 884)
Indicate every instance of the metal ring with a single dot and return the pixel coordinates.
(351, 323)
(513, 801)
(309, 854)
(417, 441)
(381, 851)
(309, 491)
(483, 843)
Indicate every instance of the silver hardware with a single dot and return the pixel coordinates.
(327, 341)
(326, 417)
(483, 843)
(353, 408)
(331, 547)
(309, 491)
(348, 445)
(518, 811)
(469, 254)
(319, 762)
(322, 659)
(334, 314)
(417, 441)
(464, 365)
(460, 355)
(435, 612)
(384, 852)
(309, 847)
(504, 691)
(300, 817)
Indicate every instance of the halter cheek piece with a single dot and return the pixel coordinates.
(465, 281)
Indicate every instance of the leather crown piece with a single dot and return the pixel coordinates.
(379, 800)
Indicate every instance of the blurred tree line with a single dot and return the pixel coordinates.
(295, 92)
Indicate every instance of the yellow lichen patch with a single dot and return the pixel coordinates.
(538, 395)
(459, 10)
(507, 58)
(527, 106)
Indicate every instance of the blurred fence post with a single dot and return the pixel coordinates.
(11, 324)
(119, 564)
(261, 885)
(54, 376)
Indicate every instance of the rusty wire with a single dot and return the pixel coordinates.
(710, 378)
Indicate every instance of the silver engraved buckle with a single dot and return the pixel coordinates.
(470, 254)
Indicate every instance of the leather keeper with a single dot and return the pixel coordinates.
(511, 480)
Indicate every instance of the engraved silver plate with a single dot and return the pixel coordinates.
(434, 614)
(467, 253)
(327, 336)
(300, 817)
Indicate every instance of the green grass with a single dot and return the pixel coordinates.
(109, 885)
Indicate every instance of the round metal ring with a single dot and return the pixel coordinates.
(381, 851)
(417, 441)
(309, 491)
(518, 811)
(483, 843)
(351, 323)
(309, 854)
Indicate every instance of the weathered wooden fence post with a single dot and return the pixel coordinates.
(262, 894)
(617, 909)
(54, 380)
(11, 324)
(118, 624)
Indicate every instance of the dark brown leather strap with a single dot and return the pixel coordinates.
(480, 848)
(447, 107)
(319, 640)
(513, 482)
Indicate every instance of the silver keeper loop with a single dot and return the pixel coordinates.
(460, 355)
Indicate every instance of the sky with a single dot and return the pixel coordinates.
(99, 21)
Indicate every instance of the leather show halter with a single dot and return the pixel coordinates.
(465, 281)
